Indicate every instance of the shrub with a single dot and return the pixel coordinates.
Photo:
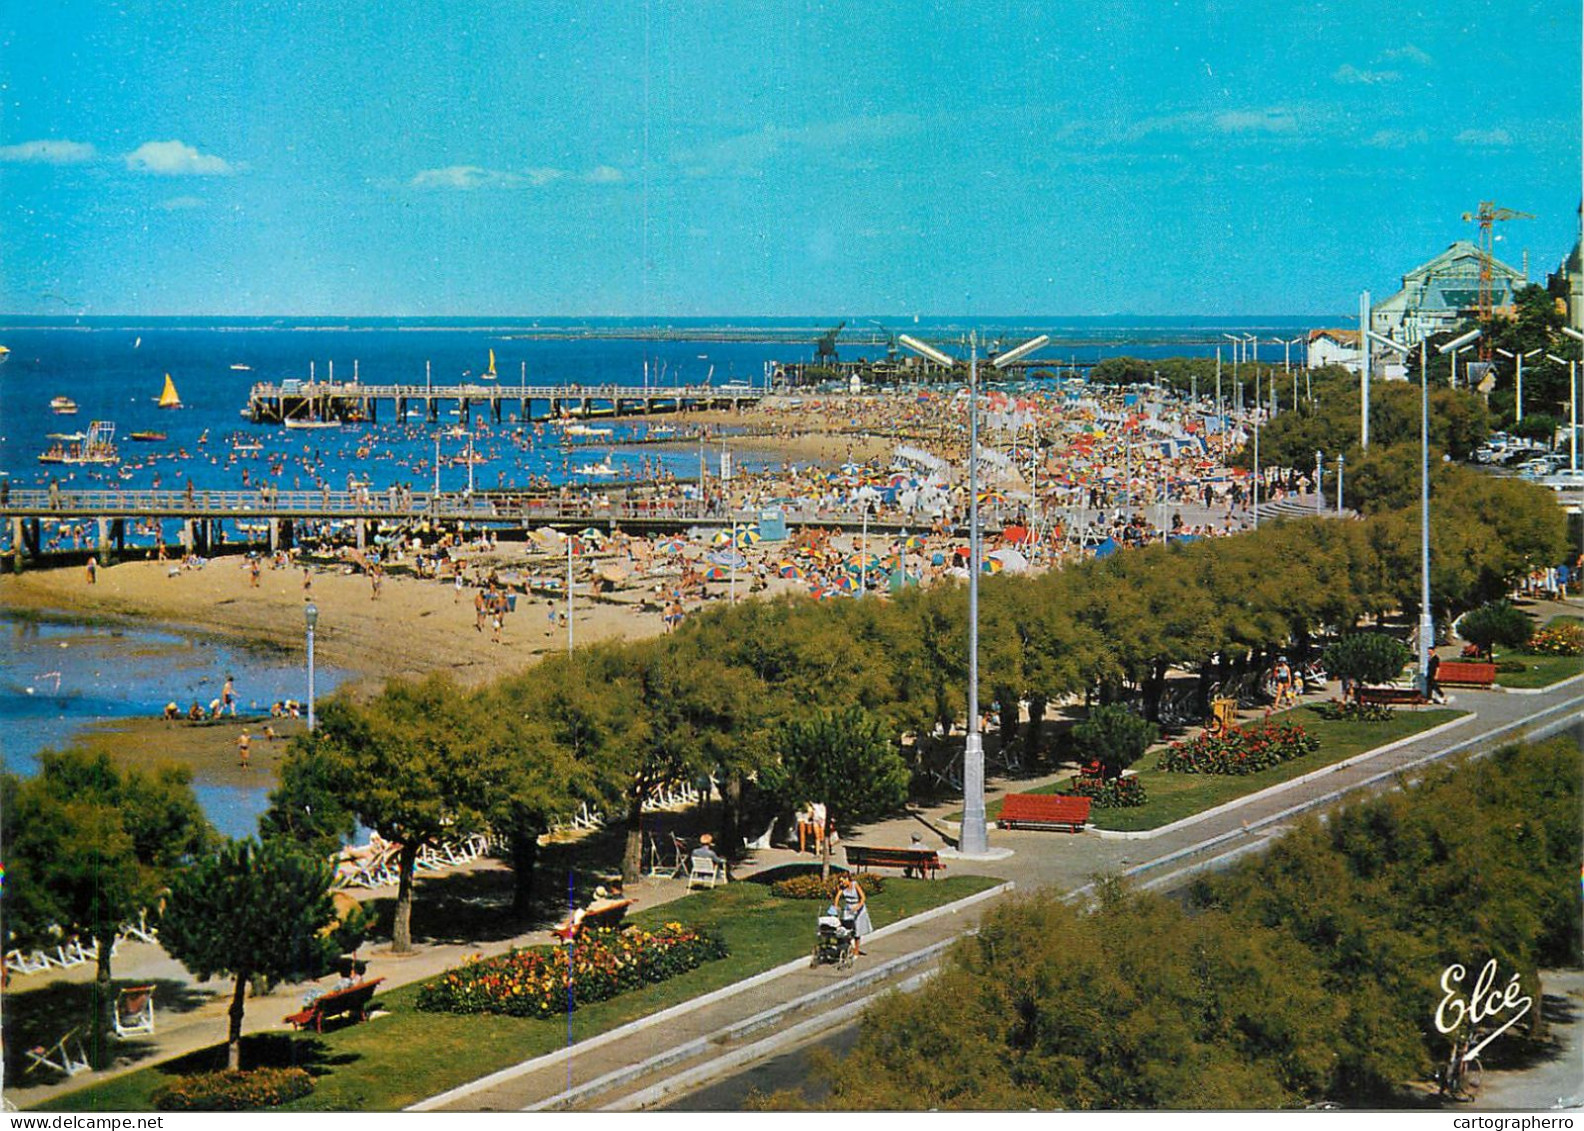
(810, 886)
(1496, 623)
(1113, 736)
(1355, 712)
(1112, 793)
(1560, 638)
(548, 981)
(1246, 750)
(1366, 657)
(234, 1091)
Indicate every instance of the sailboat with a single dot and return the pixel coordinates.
(168, 397)
(489, 374)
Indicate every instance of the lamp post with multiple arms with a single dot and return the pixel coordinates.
(1426, 621)
(975, 839)
(311, 617)
(1573, 399)
(1518, 360)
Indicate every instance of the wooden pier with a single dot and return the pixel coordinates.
(301, 403)
(279, 517)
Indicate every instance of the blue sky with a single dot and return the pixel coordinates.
(413, 157)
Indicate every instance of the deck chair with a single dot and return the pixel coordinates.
(704, 873)
(19, 962)
(134, 1012)
(140, 930)
(66, 1055)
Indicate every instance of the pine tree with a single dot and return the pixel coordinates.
(250, 910)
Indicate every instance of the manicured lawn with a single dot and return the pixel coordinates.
(1175, 796)
(1540, 671)
(395, 1060)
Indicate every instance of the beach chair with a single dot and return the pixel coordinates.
(704, 873)
(66, 1055)
(20, 962)
(373, 871)
(134, 1011)
(140, 930)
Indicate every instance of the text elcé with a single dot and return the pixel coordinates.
(1482, 1003)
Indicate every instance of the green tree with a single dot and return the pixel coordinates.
(1499, 622)
(306, 807)
(409, 763)
(1113, 736)
(844, 759)
(250, 910)
(90, 847)
(1366, 657)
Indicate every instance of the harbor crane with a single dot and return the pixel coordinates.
(825, 349)
(1487, 216)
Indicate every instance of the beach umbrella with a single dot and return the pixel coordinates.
(748, 535)
(716, 573)
(991, 497)
(792, 570)
(722, 538)
(913, 542)
(731, 559)
(591, 534)
(846, 585)
(992, 565)
(1010, 559)
(672, 545)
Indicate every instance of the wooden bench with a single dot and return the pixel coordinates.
(1043, 811)
(602, 916)
(351, 1001)
(1391, 696)
(924, 861)
(1466, 673)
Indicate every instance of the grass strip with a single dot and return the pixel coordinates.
(396, 1060)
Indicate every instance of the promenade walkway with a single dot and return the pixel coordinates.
(718, 1032)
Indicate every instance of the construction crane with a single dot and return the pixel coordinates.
(1487, 216)
(825, 349)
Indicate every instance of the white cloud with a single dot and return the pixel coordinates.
(1410, 54)
(182, 203)
(1497, 137)
(605, 175)
(747, 153)
(1347, 73)
(477, 177)
(48, 152)
(1256, 121)
(1396, 139)
(175, 159)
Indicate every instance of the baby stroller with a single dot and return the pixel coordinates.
(836, 943)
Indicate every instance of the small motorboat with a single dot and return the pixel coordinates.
(148, 437)
(63, 406)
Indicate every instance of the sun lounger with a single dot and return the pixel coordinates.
(134, 1012)
(66, 1055)
(26, 962)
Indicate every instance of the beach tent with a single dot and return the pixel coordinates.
(1106, 549)
(1011, 560)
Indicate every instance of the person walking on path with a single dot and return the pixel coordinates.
(228, 695)
(854, 909)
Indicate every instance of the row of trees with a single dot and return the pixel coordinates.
(728, 695)
(1311, 973)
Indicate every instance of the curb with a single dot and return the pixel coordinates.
(1565, 715)
(1561, 683)
(633, 1027)
(1272, 790)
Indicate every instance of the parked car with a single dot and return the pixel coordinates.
(1567, 479)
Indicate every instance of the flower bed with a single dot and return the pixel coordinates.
(1246, 750)
(1563, 638)
(234, 1091)
(1114, 793)
(1355, 712)
(549, 981)
(810, 886)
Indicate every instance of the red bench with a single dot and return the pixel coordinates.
(924, 861)
(352, 1001)
(1465, 673)
(1043, 811)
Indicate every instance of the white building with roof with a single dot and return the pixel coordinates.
(1442, 294)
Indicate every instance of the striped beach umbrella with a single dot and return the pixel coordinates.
(716, 573)
(672, 545)
(913, 542)
(748, 535)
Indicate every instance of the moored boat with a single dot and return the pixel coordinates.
(148, 437)
(63, 406)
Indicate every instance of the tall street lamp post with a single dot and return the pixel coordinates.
(311, 617)
(1573, 399)
(974, 840)
(1518, 360)
(1426, 621)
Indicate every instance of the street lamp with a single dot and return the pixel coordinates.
(974, 840)
(1426, 621)
(311, 616)
(1573, 399)
(1518, 360)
